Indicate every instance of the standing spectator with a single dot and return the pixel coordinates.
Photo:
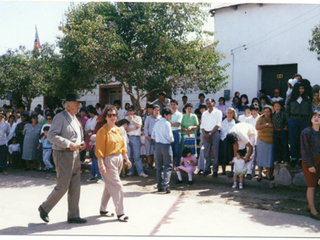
(276, 97)
(8, 114)
(310, 142)
(201, 98)
(17, 115)
(149, 112)
(162, 101)
(263, 92)
(15, 151)
(264, 100)
(19, 132)
(98, 109)
(83, 117)
(247, 117)
(90, 126)
(225, 148)
(184, 102)
(243, 102)
(83, 106)
(41, 119)
(121, 112)
(241, 136)
(94, 162)
(201, 161)
(31, 134)
(110, 152)
(298, 110)
(49, 118)
(46, 150)
(280, 135)
(255, 108)
(13, 126)
(210, 125)
(176, 131)
(123, 124)
(58, 107)
(235, 102)
(256, 101)
(4, 132)
(148, 128)
(222, 106)
(189, 124)
(134, 133)
(315, 100)
(162, 134)
(265, 130)
(291, 83)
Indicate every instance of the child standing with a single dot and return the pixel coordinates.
(46, 149)
(240, 168)
(94, 164)
(14, 150)
(123, 124)
(280, 134)
(187, 164)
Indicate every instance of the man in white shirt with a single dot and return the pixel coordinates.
(240, 136)
(4, 132)
(184, 102)
(134, 133)
(121, 112)
(210, 124)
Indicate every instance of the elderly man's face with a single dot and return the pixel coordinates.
(73, 107)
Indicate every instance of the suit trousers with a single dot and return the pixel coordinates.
(164, 163)
(214, 144)
(112, 183)
(68, 168)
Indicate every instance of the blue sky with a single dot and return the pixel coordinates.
(18, 21)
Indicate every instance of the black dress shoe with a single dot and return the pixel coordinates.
(215, 174)
(206, 173)
(200, 172)
(249, 176)
(178, 181)
(44, 216)
(168, 190)
(77, 220)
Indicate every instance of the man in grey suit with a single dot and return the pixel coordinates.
(66, 134)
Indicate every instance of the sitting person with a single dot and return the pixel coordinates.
(187, 164)
(240, 168)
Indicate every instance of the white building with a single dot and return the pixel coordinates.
(266, 44)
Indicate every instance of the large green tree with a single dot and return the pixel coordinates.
(315, 40)
(28, 74)
(146, 47)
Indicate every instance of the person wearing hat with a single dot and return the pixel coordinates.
(276, 97)
(134, 133)
(66, 134)
(162, 101)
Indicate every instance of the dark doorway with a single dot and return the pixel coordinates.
(109, 93)
(276, 77)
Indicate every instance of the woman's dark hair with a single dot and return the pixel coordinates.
(108, 108)
(185, 152)
(236, 97)
(202, 106)
(93, 111)
(197, 111)
(266, 99)
(51, 114)
(126, 105)
(223, 99)
(242, 152)
(314, 91)
(246, 97)
(122, 122)
(166, 111)
(297, 75)
(232, 138)
(280, 102)
(12, 116)
(46, 128)
(253, 99)
(188, 105)
(84, 110)
(313, 113)
(296, 94)
(33, 116)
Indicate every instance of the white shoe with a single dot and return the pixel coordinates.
(234, 185)
(99, 180)
(130, 174)
(143, 175)
(240, 186)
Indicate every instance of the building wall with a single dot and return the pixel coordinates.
(273, 34)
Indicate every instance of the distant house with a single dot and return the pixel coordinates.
(266, 44)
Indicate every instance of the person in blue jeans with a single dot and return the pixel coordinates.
(94, 164)
(134, 133)
(176, 131)
(298, 110)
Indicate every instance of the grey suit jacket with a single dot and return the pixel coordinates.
(63, 131)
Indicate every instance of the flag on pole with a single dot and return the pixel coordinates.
(36, 41)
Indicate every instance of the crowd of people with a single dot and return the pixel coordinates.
(266, 131)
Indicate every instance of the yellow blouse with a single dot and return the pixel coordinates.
(266, 134)
(109, 142)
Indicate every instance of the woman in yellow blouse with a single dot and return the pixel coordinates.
(264, 147)
(110, 151)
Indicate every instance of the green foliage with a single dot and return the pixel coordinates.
(145, 46)
(28, 74)
(315, 41)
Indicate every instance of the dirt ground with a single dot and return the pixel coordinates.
(282, 199)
